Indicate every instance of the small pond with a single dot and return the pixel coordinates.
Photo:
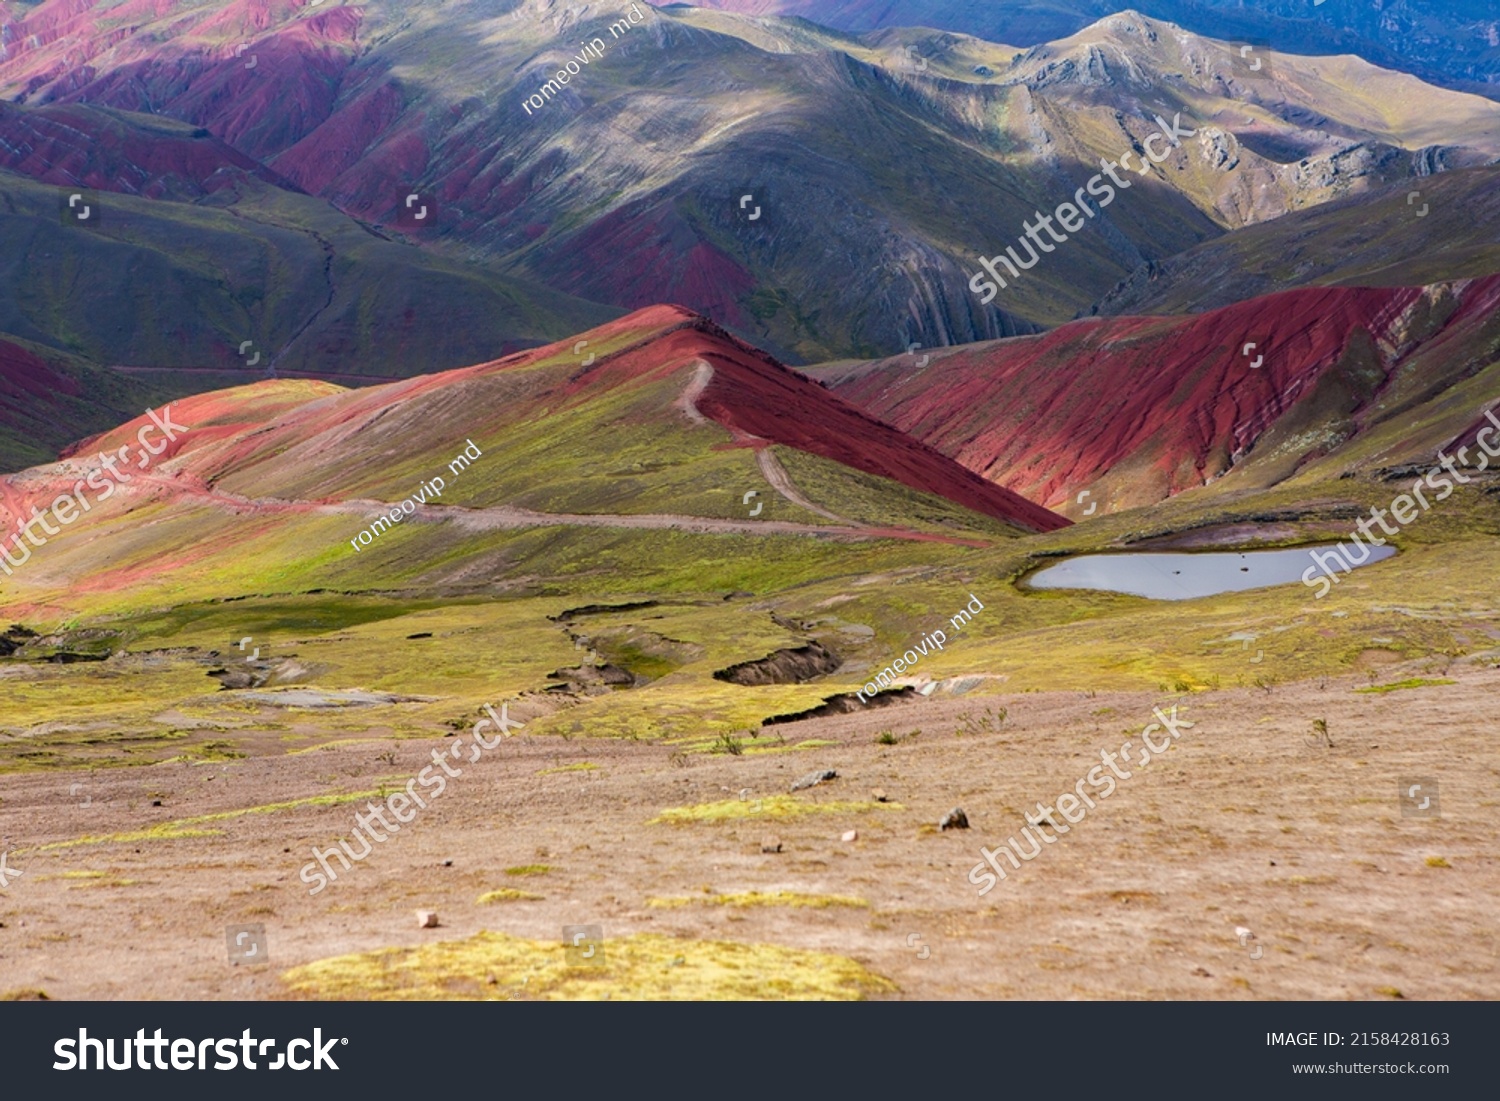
(1184, 576)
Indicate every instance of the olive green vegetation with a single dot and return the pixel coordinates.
(867, 499)
(157, 273)
(641, 967)
(594, 458)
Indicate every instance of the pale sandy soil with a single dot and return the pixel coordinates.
(1245, 823)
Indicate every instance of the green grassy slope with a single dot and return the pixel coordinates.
(170, 285)
(1424, 231)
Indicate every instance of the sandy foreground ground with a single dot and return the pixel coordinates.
(1251, 822)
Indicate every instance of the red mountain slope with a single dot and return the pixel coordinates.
(79, 146)
(298, 447)
(1140, 408)
(763, 402)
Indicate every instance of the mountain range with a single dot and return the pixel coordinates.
(1446, 41)
(822, 193)
(878, 167)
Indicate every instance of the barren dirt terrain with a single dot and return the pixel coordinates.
(1253, 821)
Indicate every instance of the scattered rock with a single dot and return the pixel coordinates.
(1201, 973)
(421, 634)
(447, 863)
(585, 678)
(879, 795)
(955, 819)
(850, 835)
(770, 845)
(156, 802)
(427, 919)
(235, 679)
(812, 779)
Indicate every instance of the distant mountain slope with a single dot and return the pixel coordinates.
(91, 147)
(1443, 41)
(881, 168)
(48, 401)
(182, 285)
(1135, 409)
(1424, 231)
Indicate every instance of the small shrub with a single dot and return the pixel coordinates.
(986, 722)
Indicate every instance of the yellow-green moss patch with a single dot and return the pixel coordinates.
(773, 806)
(1411, 682)
(809, 743)
(508, 894)
(529, 869)
(741, 899)
(642, 967)
(184, 827)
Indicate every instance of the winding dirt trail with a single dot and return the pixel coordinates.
(501, 517)
(781, 482)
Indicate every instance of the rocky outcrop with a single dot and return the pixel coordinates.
(792, 665)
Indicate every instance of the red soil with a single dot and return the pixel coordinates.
(754, 396)
(1173, 396)
(76, 146)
